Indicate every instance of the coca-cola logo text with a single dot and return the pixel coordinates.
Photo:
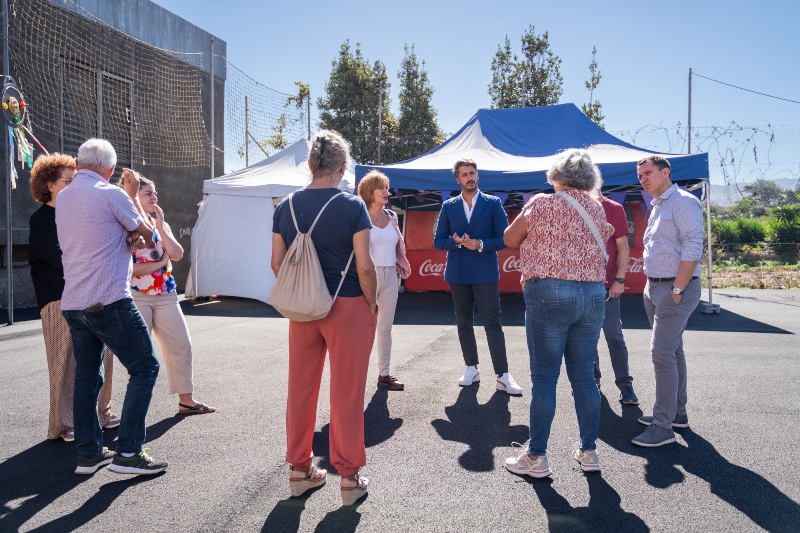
(429, 268)
(512, 264)
(635, 265)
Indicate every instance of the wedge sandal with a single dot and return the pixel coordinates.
(350, 495)
(301, 485)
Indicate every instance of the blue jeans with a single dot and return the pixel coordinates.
(617, 349)
(120, 327)
(563, 318)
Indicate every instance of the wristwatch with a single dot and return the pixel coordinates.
(676, 291)
(620, 280)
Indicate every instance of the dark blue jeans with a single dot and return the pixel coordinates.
(563, 319)
(617, 349)
(120, 327)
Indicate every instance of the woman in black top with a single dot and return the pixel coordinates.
(51, 174)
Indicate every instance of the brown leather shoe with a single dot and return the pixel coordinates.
(390, 382)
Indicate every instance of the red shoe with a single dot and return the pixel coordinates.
(390, 382)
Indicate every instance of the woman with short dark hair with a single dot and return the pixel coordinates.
(49, 176)
(562, 242)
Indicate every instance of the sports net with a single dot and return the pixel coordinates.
(259, 121)
(83, 78)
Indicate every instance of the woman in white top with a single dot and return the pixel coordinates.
(388, 252)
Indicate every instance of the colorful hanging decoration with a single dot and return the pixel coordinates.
(15, 113)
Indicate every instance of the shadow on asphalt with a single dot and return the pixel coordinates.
(745, 490)
(482, 427)
(285, 516)
(604, 512)
(379, 426)
(36, 477)
(436, 308)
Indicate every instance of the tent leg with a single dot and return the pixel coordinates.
(710, 307)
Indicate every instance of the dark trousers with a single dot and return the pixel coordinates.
(612, 329)
(486, 297)
(121, 328)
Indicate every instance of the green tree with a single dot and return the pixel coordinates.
(534, 77)
(417, 129)
(278, 140)
(303, 90)
(594, 109)
(764, 192)
(541, 69)
(504, 89)
(351, 101)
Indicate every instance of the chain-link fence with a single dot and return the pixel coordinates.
(755, 197)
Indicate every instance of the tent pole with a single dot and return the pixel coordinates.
(308, 112)
(710, 307)
(246, 134)
(689, 128)
(213, 140)
(380, 116)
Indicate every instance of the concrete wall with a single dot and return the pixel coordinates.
(179, 189)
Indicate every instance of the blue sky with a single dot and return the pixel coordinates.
(644, 50)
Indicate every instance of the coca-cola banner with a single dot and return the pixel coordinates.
(428, 264)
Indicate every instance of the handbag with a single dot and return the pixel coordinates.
(300, 292)
(586, 218)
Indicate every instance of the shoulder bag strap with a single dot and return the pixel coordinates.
(586, 218)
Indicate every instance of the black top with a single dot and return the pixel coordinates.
(44, 255)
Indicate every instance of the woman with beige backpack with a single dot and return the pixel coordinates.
(338, 226)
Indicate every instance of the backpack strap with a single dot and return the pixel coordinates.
(294, 219)
(587, 219)
(344, 273)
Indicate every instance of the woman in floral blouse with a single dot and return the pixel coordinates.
(155, 295)
(562, 242)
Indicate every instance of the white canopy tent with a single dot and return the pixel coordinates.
(232, 239)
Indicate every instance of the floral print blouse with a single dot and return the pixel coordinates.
(160, 281)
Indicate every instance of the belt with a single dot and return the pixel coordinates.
(666, 280)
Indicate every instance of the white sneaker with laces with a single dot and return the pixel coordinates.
(588, 459)
(525, 465)
(113, 422)
(471, 375)
(507, 384)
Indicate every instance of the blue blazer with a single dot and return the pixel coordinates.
(488, 222)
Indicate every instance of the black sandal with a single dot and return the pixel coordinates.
(197, 409)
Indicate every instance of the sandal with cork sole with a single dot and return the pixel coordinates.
(314, 478)
(350, 495)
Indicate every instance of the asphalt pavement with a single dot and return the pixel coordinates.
(435, 451)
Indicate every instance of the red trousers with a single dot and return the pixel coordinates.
(347, 334)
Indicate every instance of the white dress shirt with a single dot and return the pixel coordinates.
(468, 212)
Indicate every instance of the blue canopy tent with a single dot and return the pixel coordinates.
(515, 147)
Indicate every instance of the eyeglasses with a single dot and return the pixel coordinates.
(65, 180)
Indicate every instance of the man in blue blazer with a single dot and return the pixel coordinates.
(471, 229)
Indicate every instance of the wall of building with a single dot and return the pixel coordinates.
(179, 189)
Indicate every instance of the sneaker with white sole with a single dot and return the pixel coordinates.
(506, 383)
(68, 436)
(588, 459)
(680, 421)
(525, 465)
(654, 436)
(113, 422)
(471, 375)
(90, 466)
(140, 464)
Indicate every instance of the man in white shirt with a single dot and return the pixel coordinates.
(471, 228)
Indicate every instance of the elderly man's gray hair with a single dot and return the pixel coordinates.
(97, 153)
(574, 168)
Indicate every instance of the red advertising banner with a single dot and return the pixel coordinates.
(428, 264)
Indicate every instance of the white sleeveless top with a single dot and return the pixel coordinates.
(383, 245)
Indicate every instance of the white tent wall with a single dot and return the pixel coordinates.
(232, 248)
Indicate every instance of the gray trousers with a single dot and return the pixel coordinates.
(617, 350)
(666, 346)
(486, 297)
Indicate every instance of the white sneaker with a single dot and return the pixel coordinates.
(68, 436)
(471, 375)
(525, 465)
(113, 422)
(588, 459)
(507, 384)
